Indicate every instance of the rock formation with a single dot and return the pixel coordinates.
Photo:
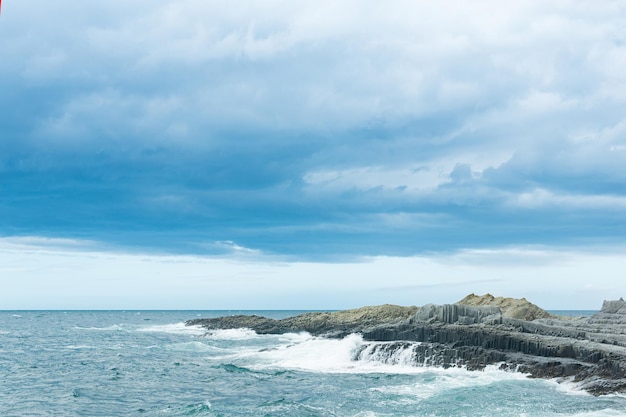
(510, 307)
(335, 324)
(476, 332)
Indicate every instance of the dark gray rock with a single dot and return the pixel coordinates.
(459, 313)
(614, 307)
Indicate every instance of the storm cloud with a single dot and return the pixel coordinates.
(314, 130)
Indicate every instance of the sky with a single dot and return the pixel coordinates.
(311, 155)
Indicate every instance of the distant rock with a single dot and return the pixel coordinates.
(614, 307)
(613, 313)
(510, 307)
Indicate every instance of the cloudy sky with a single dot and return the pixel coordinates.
(314, 154)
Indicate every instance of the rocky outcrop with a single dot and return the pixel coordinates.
(514, 334)
(510, 307)
(459, 313)
(613, 313)
(613, 307)
(337, 324)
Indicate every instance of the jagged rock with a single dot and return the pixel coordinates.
(614, 307)
(510, 307)
(613, 313)
(477, 331)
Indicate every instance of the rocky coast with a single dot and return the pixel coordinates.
(475, 332)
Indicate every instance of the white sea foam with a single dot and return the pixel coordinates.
(440, 380)
(231, 334)
(372, 352)
(304, 352)
(568, 386)
(294, 338)
(194, 346)
(113, 328)
(313, 354)
(174, 328)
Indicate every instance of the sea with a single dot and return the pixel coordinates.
(148, 363)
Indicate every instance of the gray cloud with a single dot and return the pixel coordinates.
(329, 124)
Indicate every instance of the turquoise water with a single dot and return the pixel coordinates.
(149, 364)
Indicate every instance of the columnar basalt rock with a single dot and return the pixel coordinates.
(459, 313)
(491, 330)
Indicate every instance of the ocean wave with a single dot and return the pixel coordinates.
(112, 328)
(231, 334)
(568, 386)
(353, 354)
(438, 380)
(315, 354)
(79, 347)
(194, 346)
(230, 368)
(198, 409)
(283, 407)
(174, 328)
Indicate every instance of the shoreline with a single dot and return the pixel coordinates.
(478, 331)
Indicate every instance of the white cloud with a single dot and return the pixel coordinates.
(367, 178)
(36, 276)
(232, 247)
(41, 243)
(418, 178)
(332, 62)
(542, 198)
(543, 103)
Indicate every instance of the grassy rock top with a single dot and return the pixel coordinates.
(349, 319)
(383, 313)
(317, 323)
(516, 308)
